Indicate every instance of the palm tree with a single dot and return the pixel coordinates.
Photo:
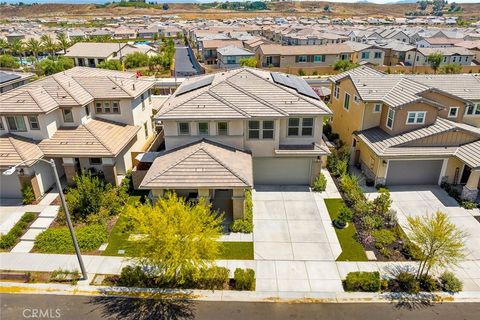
(3, 45)
(34, 46)
(63, 41)
(48, 44)
(18, 49)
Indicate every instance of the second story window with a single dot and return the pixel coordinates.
(143, 101)
(107, 107)
(184, 128)
(203, 128)
(365, 55)
(301, 59)
(336, 91)
(67, 115)
(390, 117)
(300, 127)
(378, 55)
(377, 108)
(33, 122)
(416, 117)
(473, 110)
(261, 129)
(16, 123)
(453, 112)
(319, 58)
(222, 128)
(346, 101)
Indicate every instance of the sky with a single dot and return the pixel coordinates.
(161, 1)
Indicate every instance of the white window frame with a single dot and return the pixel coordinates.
(208, 128)
(261, 129)
(300, 127)
(107, 107)
(35, 121)
(15, 117)
(475, 110)
(306, 59)
(64, 118)
(356, 99)
(180, 130)
(450, 111)
(321, 56)
(416, 117)
(346, 106)
(392, 118)
(379, 105)
(377, 55)
(336, 91)
(367, 55)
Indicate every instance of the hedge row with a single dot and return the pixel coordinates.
(7, 241)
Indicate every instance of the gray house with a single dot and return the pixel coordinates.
(229, 57)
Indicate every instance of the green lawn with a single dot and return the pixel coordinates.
(352, 250)
(236, 251)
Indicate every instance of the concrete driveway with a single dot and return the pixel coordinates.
(418, 200)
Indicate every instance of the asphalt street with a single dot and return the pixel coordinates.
(33, 306)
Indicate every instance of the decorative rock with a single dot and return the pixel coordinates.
(121, 251)
(103, 247)
(371, 256)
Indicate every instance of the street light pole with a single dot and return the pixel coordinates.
(65, 209)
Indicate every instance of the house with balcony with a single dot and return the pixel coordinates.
(84, 119)
(230, 131)
(410, 129)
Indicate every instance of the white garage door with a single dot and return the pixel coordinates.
(10, 186)
(409, 172)
(281, 171)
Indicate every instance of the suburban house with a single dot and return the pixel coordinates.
(90, 54)
(229, 131)
(276, 55)
(83, 119)
(437, 42)
(458, 55)
(473, 47)
(208, 49)
(366, 53)
(410, 129)
(229, 57)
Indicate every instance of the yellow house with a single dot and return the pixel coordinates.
(410, 129)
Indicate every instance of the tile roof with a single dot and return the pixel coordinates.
(15, 149)
(277, 49)
(234, 51)
(239, 94)
(202, 164)
(96, 138)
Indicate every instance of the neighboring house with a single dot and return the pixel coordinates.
(473, 47)
(125, 34)
(458, 55)
(148, 33)
(10, 80)
(395, 51)
(410, 129)
(366, 53)
(209, 49)
(229, 57)
(229, 131)
(276, 55)
(437, 42)
(82, 118)
(90, 54)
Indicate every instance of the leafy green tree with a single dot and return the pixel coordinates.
(344, 65)
(63, 42)
(17, 48)
(165, 6)
(435, 59)
(48, 44)
(423, 4)
(179, 238)
(110, 64)
(8, 61)
(136, 60)
(155, 62)
(452, 68)
(248, 62)
(3, 45)
(50, 66)
(34, 46)
(439, 240)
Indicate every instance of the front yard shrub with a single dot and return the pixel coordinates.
(429, 283)
(411, 251)
(383, 238)
(404, 282)
(58, 240)
(213, 278)
(245, 225)
(244, 279)
(468, 204)
(450, 283)
(134, 276)
(28, 195)
(61, 275)
(353, 193)
(344, 216)
(320, 183)
(341, 154)
(363, 281)
(7, 241)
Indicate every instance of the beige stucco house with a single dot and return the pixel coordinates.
(230, 131)
(83, 118)
(410, 129)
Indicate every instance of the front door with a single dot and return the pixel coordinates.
(465, 174)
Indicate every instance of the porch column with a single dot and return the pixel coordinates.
(204, 193)
(316, 169)
(109, 170)
(156, 193)
(70, 170)
(470, 190)
(30, 179)
(238, 200)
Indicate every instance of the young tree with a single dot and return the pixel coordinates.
(248, 62)
(136, 60)
(8, 61)
(17, 47)
(343, 65)
(48, 44)
(435, 59)
(34, 46)
(439, 240)
(63, 41)
(3, 45)
(450, 68)
(178, 237)
(110, 64)
(50, 66)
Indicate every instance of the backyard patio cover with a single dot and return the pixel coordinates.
(202, 164)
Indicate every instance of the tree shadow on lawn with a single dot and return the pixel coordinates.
(146, 307)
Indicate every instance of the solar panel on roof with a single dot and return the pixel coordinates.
(293, 82)
(194, 85)
(5, 77)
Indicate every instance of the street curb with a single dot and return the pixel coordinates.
(224, 295)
